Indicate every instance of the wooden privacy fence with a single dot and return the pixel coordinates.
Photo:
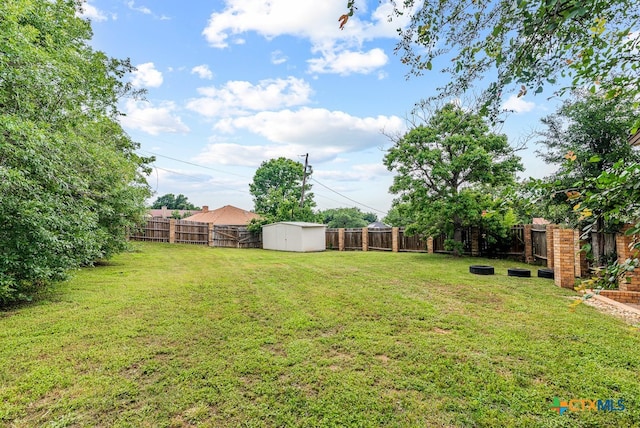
(192, 232)
(365, 239)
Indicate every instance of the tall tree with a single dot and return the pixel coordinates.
(592, 131)
(439, 163)
(522, 45)
(277, 191)
(173, 202)
(71, 183)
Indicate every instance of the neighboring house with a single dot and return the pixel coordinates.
(378, 225)
(227, 216)
(165, 212)
(634, 140)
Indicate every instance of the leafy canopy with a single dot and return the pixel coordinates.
(346, 217)
(522, 44)
(71, 184)
(442, 168)
(173, 202)
(277, 191)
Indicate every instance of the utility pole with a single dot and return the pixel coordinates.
(304, 178)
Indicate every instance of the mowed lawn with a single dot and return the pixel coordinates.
(176, 335)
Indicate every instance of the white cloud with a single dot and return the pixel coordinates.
(277, 57)
(202, 71)
(237, 97)
(91, 12)
(317, 128)
(146, 75)
(252, 156)
(316, 21)
(142, 9)
(153, 120)
(518, 104)
(348, 62)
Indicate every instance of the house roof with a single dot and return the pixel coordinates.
(634, 139)
(378, 225)
(227, 215)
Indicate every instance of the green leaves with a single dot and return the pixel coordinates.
(70, 181)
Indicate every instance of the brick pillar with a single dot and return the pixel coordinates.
(551, 229)
(563, 263)
(580, 257)
(631, 282)
(172, 231)
(528, 244)
(394, 239)
(430, 245)
(341, 239)
(365, 239)
(210, 233)
(475, 242)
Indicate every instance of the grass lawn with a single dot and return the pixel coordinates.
(176, 335)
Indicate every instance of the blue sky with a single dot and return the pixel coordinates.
(234, 83)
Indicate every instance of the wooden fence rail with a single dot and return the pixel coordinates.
(191, 232)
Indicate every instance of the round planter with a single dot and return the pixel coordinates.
(545, 273)
(481, 270)
(519, 272)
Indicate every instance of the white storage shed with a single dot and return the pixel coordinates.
(294, 236)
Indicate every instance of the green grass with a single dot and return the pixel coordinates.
(176, 335)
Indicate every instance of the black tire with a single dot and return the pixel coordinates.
(481, 270)
(545, 273)
(519, 272)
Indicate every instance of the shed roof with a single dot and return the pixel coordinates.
(298, 223)
(226, 215)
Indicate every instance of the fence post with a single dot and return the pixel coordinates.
(365, 239)
(210, 234)
(395, 232)
(528, 244)
(430, 245)
(475, 242)
(631, 281)
(172, 231)
(341, 239)
(580, 261)
(564, 258)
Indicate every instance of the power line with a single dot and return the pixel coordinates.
(238, 175)
(346, 197)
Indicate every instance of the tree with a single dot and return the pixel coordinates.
(522, 44)
(592, 131)
(173, 202)
(440, 167)
(346, 217)
(71, 184)
(277, 191)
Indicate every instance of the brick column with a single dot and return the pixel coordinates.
(580, 257)
(430, 245)
(172, 231)
(341, 239)
(394, 239)
(550, 232)
(563, 263)
(528, 244)
(365, 239)
(631, 281)
(475, 242)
